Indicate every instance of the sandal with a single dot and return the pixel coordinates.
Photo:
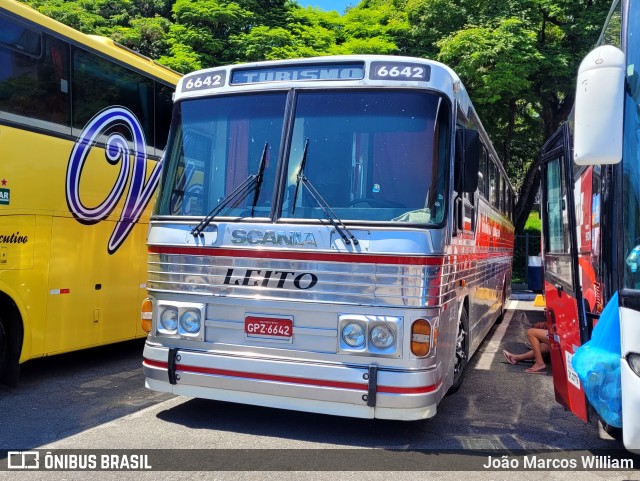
(509, 357)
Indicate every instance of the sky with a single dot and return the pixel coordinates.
(329, 5)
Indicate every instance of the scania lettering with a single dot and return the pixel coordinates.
(331, 235)
(272, 237)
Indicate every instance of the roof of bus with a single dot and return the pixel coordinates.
(454, 83)
(101, 44)
(441, 78)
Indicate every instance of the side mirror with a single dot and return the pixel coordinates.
(467, 160)
(599, 107)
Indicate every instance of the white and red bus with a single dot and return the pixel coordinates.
(591, 212)
(331, 235)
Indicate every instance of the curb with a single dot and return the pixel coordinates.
(522, 296)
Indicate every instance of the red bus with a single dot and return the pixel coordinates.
(590, 211)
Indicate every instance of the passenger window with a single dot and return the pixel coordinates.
(493, 184)
(482, 172)
(557, 215)
(99, 83)
(34, 78)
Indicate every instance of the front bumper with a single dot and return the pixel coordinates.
(357, 390)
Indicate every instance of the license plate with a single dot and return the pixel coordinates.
(255, 326)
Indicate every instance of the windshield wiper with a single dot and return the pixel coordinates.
(259, 177)
(244, 188)
(300, 171)
(324, 205)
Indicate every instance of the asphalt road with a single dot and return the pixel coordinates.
(96, 400)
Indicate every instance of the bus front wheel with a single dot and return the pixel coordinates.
(461, 352)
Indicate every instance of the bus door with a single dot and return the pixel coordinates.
(561, 288)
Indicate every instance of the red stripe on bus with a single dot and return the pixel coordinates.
(304, 256)
(295, 380)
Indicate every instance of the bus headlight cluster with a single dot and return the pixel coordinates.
(370, 335)
(180, 319)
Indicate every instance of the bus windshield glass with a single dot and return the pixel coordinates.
(215, 145)
(631, 168)
(371, 155)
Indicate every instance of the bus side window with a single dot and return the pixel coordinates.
(469, 211)
(482, 172)
(510, 204)
(556, 210)
(500, 184)
(503, 195)
(34, 78)
(99, 83)
(493, 183)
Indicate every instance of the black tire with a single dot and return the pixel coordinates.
(10, 344)
(614, 432)
(4, 346)
(504, 302)
(461, 353)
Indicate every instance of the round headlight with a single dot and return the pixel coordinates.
(382, 336)
(190, 321)
(169, 319)
(353, 334)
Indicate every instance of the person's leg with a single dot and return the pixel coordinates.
(537, 338)
(541, 335)
(516, 358)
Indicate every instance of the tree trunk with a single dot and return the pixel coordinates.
(527, 196)
(554, 112)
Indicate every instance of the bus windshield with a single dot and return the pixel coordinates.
(631, 168)
(371, 155)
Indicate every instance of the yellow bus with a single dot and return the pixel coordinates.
(83, 125)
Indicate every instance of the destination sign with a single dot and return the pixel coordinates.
(399, 71)
(354, 71)
(204, 80)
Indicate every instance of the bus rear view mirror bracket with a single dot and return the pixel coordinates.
(599, 107)
(467, 160)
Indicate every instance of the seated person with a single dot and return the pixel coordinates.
(537, 337)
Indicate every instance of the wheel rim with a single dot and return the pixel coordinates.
(461, 349)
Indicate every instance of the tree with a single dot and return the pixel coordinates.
(496, 62)
(308, 33)
(519, 60)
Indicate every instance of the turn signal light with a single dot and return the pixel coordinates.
(146, 314)
(420, 338)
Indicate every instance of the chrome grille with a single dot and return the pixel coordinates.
(337, 282)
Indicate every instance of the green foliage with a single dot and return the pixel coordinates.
(534, 223)
(145, 35)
